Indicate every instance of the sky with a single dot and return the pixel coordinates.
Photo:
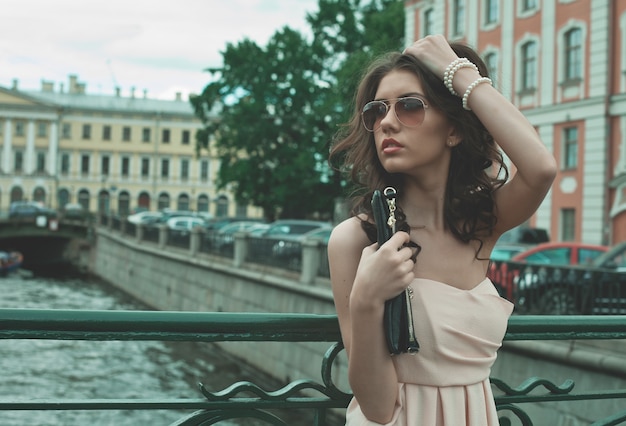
(160, 46)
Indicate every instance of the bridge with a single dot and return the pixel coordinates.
(44, 243)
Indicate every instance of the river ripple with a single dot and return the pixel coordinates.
(33, 370)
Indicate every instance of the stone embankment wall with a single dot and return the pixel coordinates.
(174, 280)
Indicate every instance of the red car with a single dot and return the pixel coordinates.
(551, 253)
(561, 253)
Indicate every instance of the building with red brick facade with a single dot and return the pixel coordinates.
(563, 63)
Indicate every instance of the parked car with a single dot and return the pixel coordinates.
(185, 224)
(29, 210)
(224, 238)
(529, 287)
(145, 217)
(507, 251)
(74, 211)
(561, 253)
(288, 236)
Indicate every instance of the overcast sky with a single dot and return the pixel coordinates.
(161, 46)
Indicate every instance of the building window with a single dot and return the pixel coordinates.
(105, 165)
(166, 136)
(65, 164)
(458, 23)
(573, 54)
(145, 167)
(84, 164)
(66, 131)
(125, 170)
(18, 166)
(568, 225)
(529, 65)
(41, 163)
(106, 133)
(145, 134)
(204, 170)
(491, 61)
(529, 5)
(570, 148)
(42, 129)
(429, 21)
(86, 131)
(19, 128)
(186, 137)
(165, 168)
(184, 169)
(491, 11)
(126, 133)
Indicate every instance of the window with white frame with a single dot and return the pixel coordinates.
(125, 167)
(428, 21)
(528, 5)
(184, 169)
(40, 167)
(491, 61)
(570, 147)
(18, 163)
(42, 129)
(491, 11)
(65, 164)
(204, 170)
(145, 167)
(84, 164)
(529, 66)
(458, 17)
(573, 54)
(165, 168)
(66, 130)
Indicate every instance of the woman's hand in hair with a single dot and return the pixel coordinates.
(434, 51)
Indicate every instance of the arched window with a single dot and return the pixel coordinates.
(183, 202)
(203, 203)
(144, 200)
(123, 203)
(83, 199)
(163, 201)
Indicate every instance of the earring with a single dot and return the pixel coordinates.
(449, 142)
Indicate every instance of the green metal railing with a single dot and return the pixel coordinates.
(247, 400)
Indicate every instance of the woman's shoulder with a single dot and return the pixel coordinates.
(348, 235)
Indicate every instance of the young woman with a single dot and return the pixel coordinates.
(427, 122)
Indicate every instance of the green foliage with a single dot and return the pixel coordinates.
(272, 111)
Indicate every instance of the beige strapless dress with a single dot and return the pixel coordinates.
(447, 382)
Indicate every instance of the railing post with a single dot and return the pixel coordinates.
(310, 261)
(139, 229)
(194, 240)
(162, 236)
(240, 248)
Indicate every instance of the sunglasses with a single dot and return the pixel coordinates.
(409, 111)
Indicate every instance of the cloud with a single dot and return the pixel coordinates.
(147, 44)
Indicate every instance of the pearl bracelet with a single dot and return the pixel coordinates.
(457, 64)
(471, 87)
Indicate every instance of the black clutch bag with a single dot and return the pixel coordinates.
(398, 317)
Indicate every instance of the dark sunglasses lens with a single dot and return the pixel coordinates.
(372, 114)
(410, 111)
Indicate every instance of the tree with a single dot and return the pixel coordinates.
(273, 111)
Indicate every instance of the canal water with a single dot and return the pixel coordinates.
(32, 370)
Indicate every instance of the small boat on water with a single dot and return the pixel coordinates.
(10, 261)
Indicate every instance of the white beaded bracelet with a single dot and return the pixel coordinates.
(471, 87)
(457, 64)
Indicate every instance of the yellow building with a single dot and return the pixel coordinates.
(108, 153)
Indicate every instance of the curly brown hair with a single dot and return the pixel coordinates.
(469, 204)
